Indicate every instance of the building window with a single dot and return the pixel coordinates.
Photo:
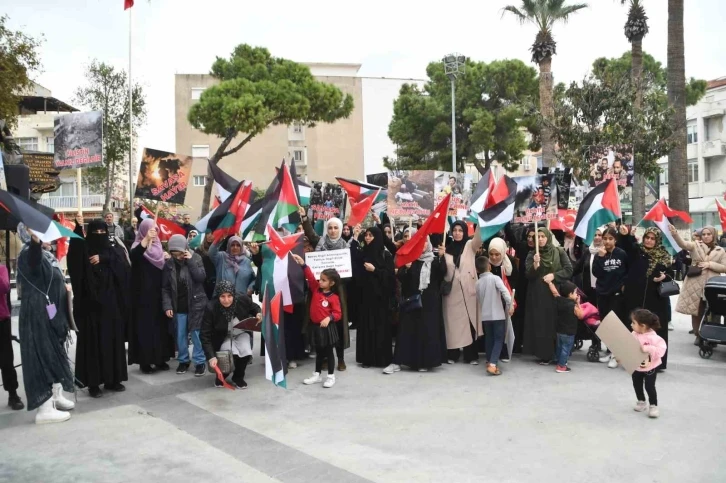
(297, 156)
(664, 176)
(539, 162)
(27, 144)
(693, 171)
(297, 128)
(200, 180)
(50, 144)
(200, 151)
(692, 133)
(197, 93)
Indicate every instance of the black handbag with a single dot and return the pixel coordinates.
(694, 271)
(446, 287)
(668, 288)
(411, 303)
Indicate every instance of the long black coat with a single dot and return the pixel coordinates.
(193, 271)
(150, 337)
(640, 289)
(102, 311)
(420, 342)
(214, 326)
(42, 350)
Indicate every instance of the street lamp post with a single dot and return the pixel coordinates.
(453, 67)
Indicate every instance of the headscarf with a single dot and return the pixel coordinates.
(596, 248)
(549, 258)
(225, 286)
(97, 242)
(23, 233)
(373, 251)
(327, 243)
(713, 238)
(656, 255)
(501, 246)
(233, 261)
(456, 248)
(410, 229)
(154, 252)
(350, 234)
(427, 256)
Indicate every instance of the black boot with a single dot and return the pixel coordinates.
(95, 392)
(14, 402)
(240, 366)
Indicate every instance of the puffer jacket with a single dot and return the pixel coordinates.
(193, 271)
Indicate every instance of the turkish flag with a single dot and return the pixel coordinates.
(436, 223)
(565, 221)
(166, 228)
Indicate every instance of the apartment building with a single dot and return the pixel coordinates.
(706, 151)
(38, 109)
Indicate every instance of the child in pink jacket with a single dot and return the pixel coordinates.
(644, 324)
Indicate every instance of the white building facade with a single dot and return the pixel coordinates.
(706, 153)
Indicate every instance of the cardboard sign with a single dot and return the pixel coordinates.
(163, 176)
(621, 342)
(337, 259)
(78, 140)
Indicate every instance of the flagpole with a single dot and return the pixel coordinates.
(131, 126)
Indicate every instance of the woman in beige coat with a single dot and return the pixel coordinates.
(461, 310)
(711, 259)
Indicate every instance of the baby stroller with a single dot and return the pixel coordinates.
(712, 329)
(586, 331)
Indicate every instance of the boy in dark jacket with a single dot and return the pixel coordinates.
(568, 311)
(183, 299)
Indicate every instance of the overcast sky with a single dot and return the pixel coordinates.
(392, 38)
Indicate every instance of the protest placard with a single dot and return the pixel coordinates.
(459, 185)
(163, 176)
(410, 193)
(621, 342)
(327, 200)
(78, 140)
(337, 259)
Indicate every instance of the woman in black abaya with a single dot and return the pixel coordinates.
(150, 340)
(100, 275)
(376, 285)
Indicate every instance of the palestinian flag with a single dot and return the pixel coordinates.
(480, 197)
(280, 205)
(166, 228)
(223, 182)
(250, 219)
(599, 207)
(302, 189)
(362, 196)
(280, 273)
(273, 330)
(232, 219)
(44, 228)
(658, 216)
(493, 218)
(436, 223)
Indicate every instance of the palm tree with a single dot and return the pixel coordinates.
(677, 162)
(636, 27)
(544, 14)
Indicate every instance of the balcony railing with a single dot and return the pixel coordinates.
(71, 202)
(713, 148)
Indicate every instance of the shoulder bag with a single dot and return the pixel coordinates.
(411, 303)
(668, 288)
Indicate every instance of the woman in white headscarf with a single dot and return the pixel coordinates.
(421, 324)
(502, 265)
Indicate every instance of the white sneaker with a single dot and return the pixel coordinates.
(329, 381)
(606, 358)
(60, 400)
(423, 369)
(640, 406)
(292, 365)
(613, 363)
(451, 361)
(391, 369)
(504, 360)
(653, 412)
(314, 379)
(474, 363)
(671, 326)
(47, 414)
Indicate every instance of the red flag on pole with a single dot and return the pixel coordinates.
(436, 223)
(722, 215)
(128, 4)
(166, 228)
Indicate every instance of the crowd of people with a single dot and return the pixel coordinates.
(518, 293)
